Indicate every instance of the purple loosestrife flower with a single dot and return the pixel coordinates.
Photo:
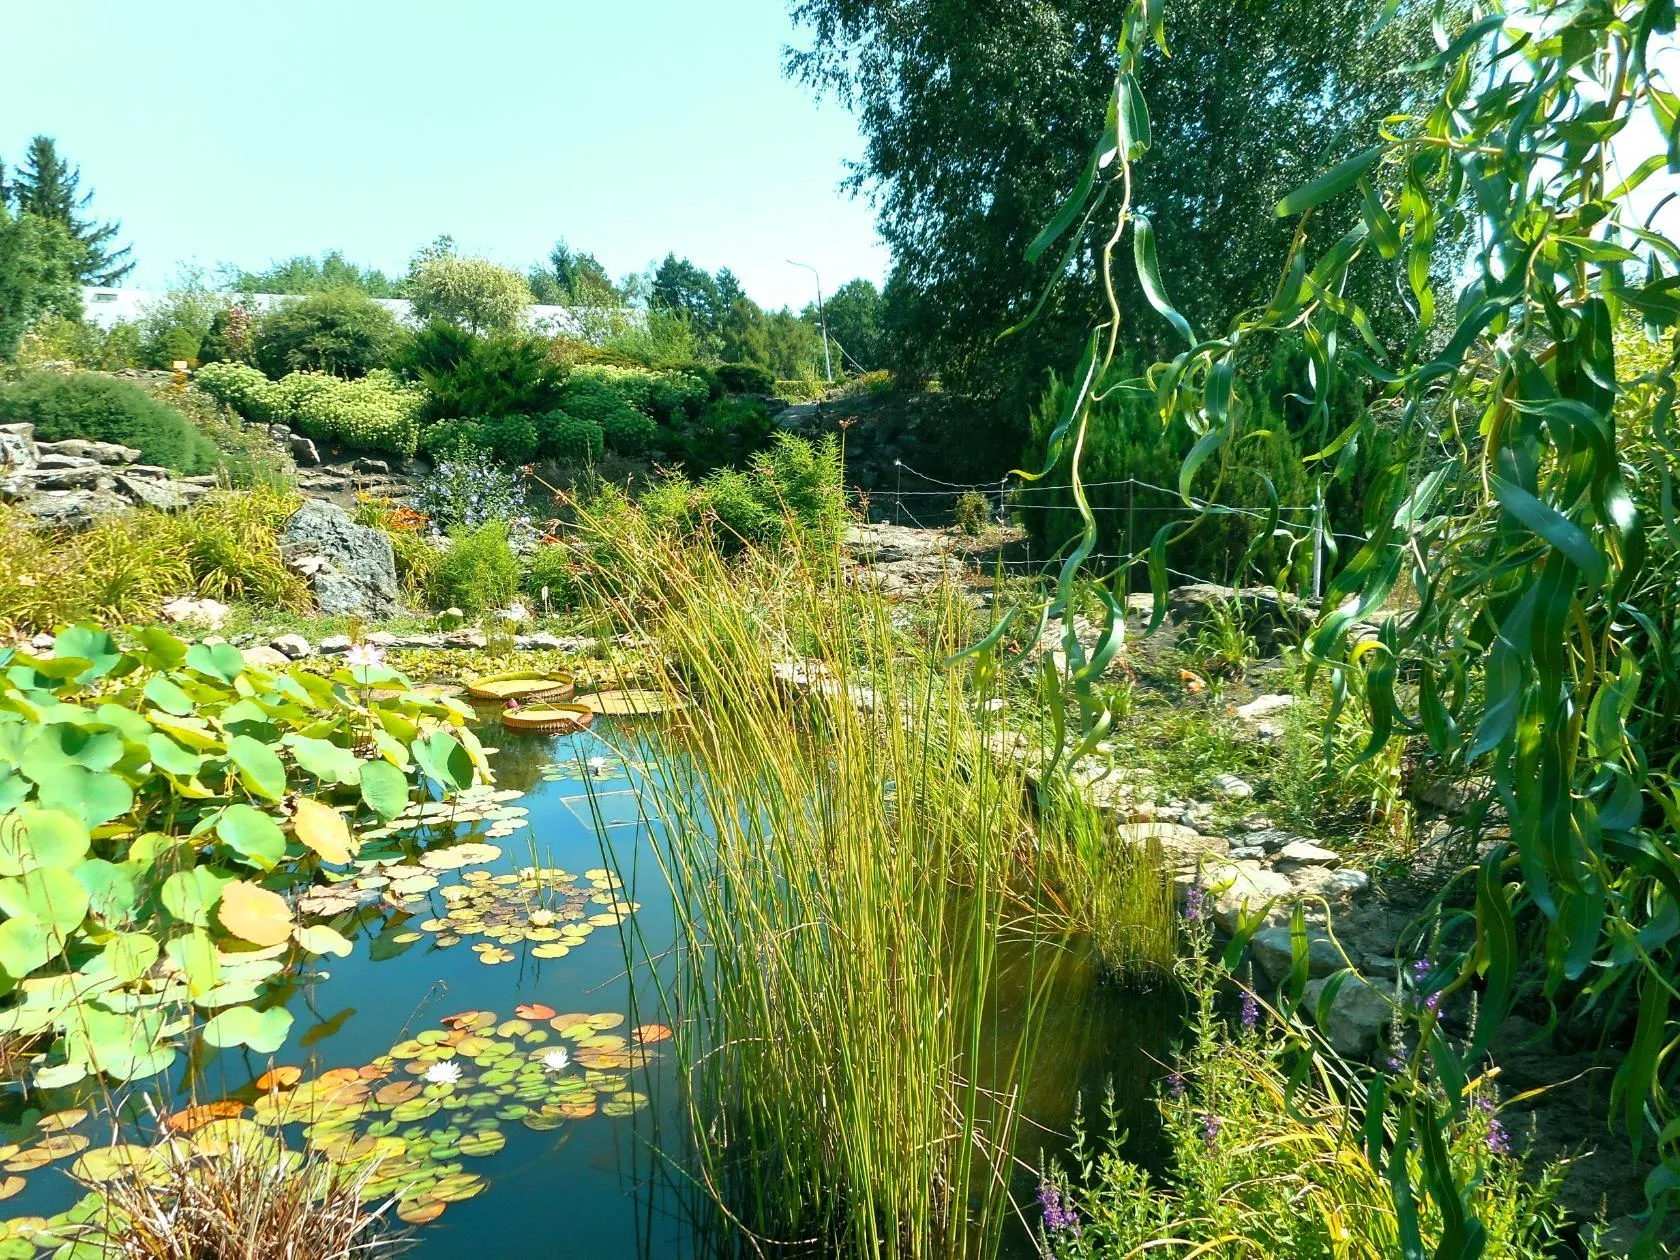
(1193, 903)
(1210, 1127)
(1498, 1141)
(1250, 1010)
(1058, 1216)
(1175, 1084)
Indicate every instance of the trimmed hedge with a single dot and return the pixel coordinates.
(102, 409)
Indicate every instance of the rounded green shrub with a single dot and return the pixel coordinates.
(570, 439)
(342, 332)
(242, 388)
(591, 397)
(629, 432)
(746, 378)
(372, 414)
(453, 439)
(102, 409)
(479, 570)
(512, 439)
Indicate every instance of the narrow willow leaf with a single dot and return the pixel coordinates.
(1149, 276)
(1335, 181)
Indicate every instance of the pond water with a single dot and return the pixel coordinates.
(535, 1152)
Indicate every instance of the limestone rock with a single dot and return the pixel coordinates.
(1180, 845)
(82, 475)
(360, 573)
(75, 509)
(155, 472)
(204, 612)
(83, 448)
(1306, 853)
(55, 459)
(17, 448)
(1356, 1018)
(1234, 887)
(161, 496)
(295, 646)
(1233, 788)
(1264, 706)
(1275, 954)
(303, 450)
(1332, 885)
(266, 657)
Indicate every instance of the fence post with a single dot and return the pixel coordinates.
(898, 494)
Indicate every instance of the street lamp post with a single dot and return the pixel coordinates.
(822, 318)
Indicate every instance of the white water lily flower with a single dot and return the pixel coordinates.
(597, 765)
(516, 612)
(556, 1060)
(541, 918)
(445, 1072)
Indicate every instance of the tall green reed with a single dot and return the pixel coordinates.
(844, 858)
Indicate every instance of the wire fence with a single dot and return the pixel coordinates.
(932, 500)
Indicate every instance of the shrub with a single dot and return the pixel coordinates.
(470, 491)
(229, 339)
(512, 439)
(624, 429)
(472, 293)
(83, 405)
(802, 481)
(745, 378)
(417, 558)
(804, 389)
(231, 543)
(453, 439)
(341, 332)
(478, 571)
(735, 504)
(242, 388)
(628, 431)
(677, 395)
(550, 576)
(570, 439)
(672, 504)
(972, 512)
(466, 375)
(726, 432)
(372, 414)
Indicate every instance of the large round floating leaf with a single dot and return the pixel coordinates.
(96, 647)
(442, 758)
(478, 1145)
(263, 1031)
(255, 914)
(111, 1163)
(129, 955)
(318, 938)
(253, 835)
(167, 696)
(324, 759)
(384, 788)
(25, 946)
(190, 895)
(171, 758)
(196, 955)
(216, 660)
(260, 770)
(112, 892)
(323, 829)
(32, 837)
(50, 896)
(93, 796)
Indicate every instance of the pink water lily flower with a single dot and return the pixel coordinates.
(365, 655)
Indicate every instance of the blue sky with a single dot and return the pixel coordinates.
(243, 132)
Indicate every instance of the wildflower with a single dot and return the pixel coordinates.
(556, 1060)
(1193, 903)
(1058, 1216)
(1498, 1141)
(1250, 1010)
(541, 918)
(1210, 1127)
(365, 655)
(1175, 1084)
(444, 1072)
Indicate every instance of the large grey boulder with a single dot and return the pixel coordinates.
(355, 570)
(17, 448)
(84, 448)
(75, 509)
(161, 496)
(1356, 1018)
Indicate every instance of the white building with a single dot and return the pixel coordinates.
(108, 307)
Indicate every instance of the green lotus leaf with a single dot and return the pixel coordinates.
(442, 759)
(127, 956)
(25, 946)
(50, 896)
(263, 1031)
(228, 993)
(14, 788)
(253, 835)
(96, 647)
(259, 769)
(318, 938)
(32, 838)
(195, 954)
(57, 1076)
(112, 894)
(167, 696)
(92, 796)
(191, 895)
(325, 759)
(171, 758)
(216, 660)
(125, 722)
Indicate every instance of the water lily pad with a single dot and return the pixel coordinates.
(419, 1211)
(323, 829)
(255, 914)
(8, 1187)
(647, 1034)
(108, 1163)
(282, 1077)
(478, 1145)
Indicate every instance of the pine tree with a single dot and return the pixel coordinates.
(50, 188)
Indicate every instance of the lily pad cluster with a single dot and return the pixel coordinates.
(552, 909)
(157, 802)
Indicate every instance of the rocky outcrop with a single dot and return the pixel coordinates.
(73, 483)
(351, 567)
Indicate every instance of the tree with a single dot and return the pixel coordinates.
(744, 336)
(302, 274)
(795, 347)
(342, 333)
(39, 261)
(473, 293)
(854, 323)
(573, 278)
(50, 188)
(978, 118)
(678, 285)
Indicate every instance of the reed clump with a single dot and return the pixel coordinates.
(845, 858)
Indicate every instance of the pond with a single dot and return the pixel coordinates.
(488, 1032)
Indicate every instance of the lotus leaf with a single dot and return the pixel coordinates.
(323, 829)
(255, 914)
(253, 835)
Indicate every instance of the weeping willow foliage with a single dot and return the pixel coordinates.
(1529, 505)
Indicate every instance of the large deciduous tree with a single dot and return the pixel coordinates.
(48, 187)
(979, 117)
(472, 293)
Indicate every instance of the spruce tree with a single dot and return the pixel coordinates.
(50, 188)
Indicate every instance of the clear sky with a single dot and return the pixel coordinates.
(249, 131)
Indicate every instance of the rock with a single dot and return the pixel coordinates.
(204, 612)
(365, 465)
(360, 576)
(82, 448)
(1237, 886)
(17, 447)
(1264, 706)
(266, 657)
(53, 459)
(1247, 853)
(83, 475)
(161, 496)
(1233, 788)
(334, 644)
(1180, 845)
(412, 641)
(1322, 881)
(1275, 954)
(1265, 610)
(207, 480)
(75, 509)
(303, 450)
(1356, 1018)
(1271, 838)
(155, 472)
(295, 646)
(1306, 853)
